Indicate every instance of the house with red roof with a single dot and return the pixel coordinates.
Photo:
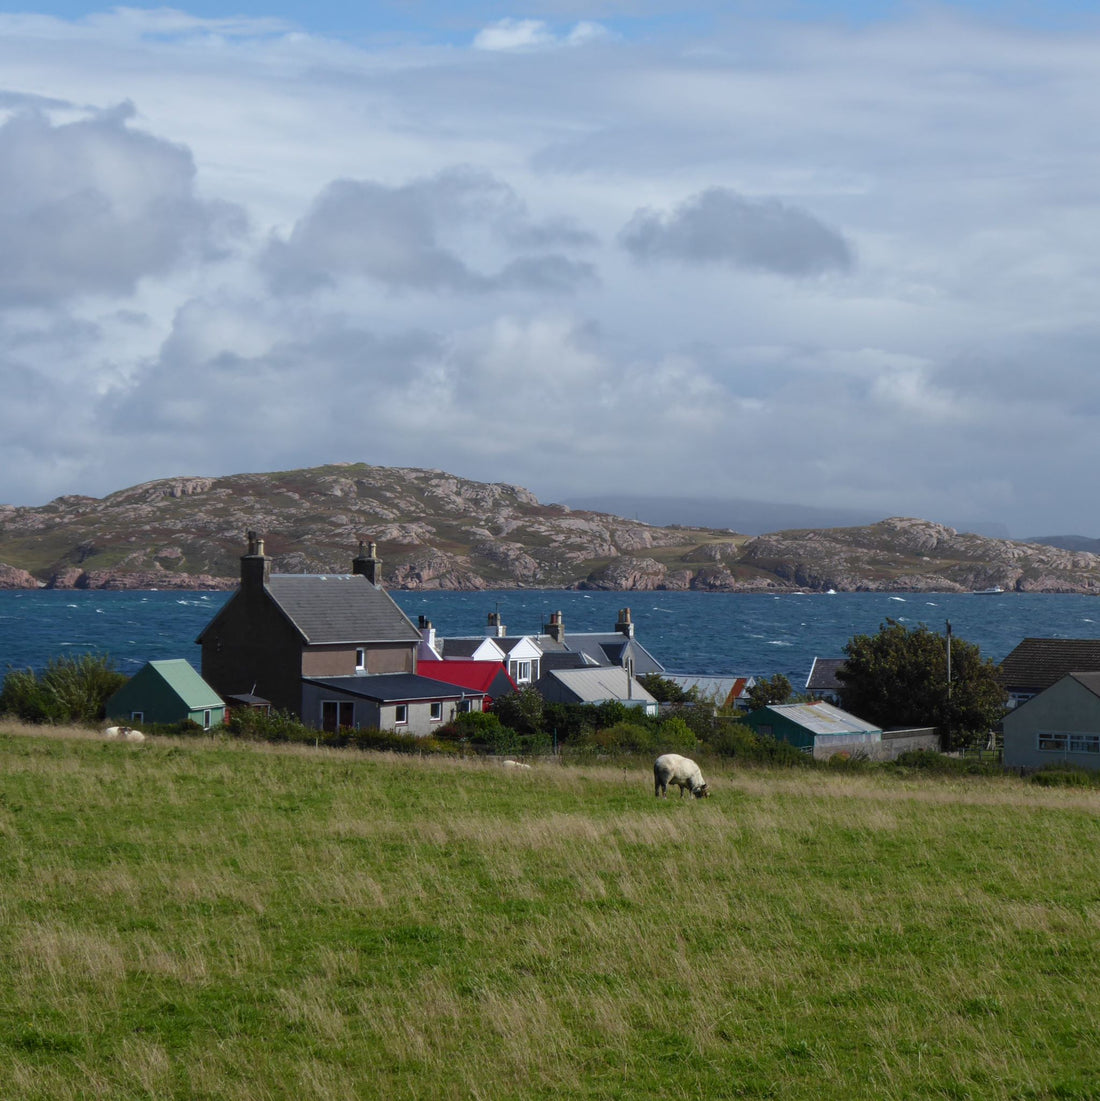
(484, 678)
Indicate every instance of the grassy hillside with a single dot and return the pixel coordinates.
(207, 920)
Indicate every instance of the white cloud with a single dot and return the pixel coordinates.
(830, 263)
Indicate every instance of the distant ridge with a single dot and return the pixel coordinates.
(434, 530)
(751, 517)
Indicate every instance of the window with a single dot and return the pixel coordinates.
(337, 714)
(523, 671)
(464, 706)
(401, 714)
(361, 660)
(137, 716)
(1084, 743)
(437, 712)
(206, 718)
(1053, 743)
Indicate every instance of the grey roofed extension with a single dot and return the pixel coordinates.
(394, 687)
(1038, 662)
(822, 718)
(330, 608)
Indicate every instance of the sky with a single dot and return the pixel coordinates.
(833, 254)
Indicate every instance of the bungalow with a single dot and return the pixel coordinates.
(404, 702)
(1061, 724)
(167, 692)
(1038, 663)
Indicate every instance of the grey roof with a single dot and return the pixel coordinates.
(565, 659)
(713, 688)
(459, 647)
(823, 677)
(823, 718)
(393, 687)
(607, 649)
(329, 608)
(606, 682)
(1038, 662)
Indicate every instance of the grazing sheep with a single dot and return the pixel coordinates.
(671, 768)
(123, 734)
(513, 764)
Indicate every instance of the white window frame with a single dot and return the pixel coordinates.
(1084, 743)
(465, 706)
(401, 714)
(361, 659)
(523, 672)
(207, 718)
(436, 711)
(137, 716)
(1051, 741)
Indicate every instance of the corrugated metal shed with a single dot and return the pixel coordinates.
(822, 718)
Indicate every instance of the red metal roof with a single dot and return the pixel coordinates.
(477, 676)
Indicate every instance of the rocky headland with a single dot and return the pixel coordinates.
(437, 531)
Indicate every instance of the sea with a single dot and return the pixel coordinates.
(716, 634)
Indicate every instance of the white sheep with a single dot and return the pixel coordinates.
(513, 764)
(123, 734)
(671, 768)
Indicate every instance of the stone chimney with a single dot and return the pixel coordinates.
(495, 628)
(255, 568)
(556, 627)
(624, 625)
(368, 563)
(427, 639)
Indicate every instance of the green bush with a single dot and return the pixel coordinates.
(1065, 776)
(70, 690)
(675, 736)
(623, 737)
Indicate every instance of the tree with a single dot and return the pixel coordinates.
(898, 678)
(768, 690)
(521, 710)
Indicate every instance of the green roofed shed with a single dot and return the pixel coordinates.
(167, 692)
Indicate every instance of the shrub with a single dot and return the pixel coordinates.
(622, 738)
(70, 690)
(675, 736)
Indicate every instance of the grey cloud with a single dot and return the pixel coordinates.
(720, 226)
(399, 237)
(93, 206)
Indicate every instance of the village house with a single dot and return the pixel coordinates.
(313, 644)
(595, 685)
(1059, 725)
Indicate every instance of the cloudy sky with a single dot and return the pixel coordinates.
(840, 254)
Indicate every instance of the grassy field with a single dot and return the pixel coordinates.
(210, 920)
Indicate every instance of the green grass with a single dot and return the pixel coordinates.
(211, 920)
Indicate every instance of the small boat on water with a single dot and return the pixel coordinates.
(996, 590)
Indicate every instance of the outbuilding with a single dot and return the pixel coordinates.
(167, 692)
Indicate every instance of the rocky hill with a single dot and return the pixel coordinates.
(437, 531)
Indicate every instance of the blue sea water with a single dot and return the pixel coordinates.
(707, 633)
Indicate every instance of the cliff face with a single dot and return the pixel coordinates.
(436, 531)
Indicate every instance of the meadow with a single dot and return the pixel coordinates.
(209, 919)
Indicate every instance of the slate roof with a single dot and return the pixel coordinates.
(463, 647)
(1038, 662)
(823, 718)
(332, 608)
(180, 675)
(390, 687)
(823, 676)
(565, 659)
(608, 649)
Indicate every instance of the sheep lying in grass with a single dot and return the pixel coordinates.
(513, 764)
(123, 734)
(671, 768)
